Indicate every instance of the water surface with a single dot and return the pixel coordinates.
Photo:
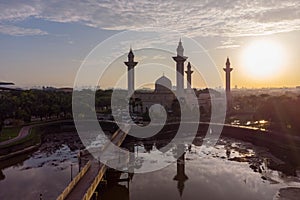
(230, 170)
(45, 172)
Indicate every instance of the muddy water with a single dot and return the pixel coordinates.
(230, 170)
(45, 172)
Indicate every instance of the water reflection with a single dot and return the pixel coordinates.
(46, 171)
(14, 161)
(180, 177)
(230, 170)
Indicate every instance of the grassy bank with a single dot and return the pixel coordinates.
(8, 133)
(33, 138)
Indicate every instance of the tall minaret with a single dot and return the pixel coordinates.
(180, 59)
(189, 76)
(227, 73)
(130, 72)
(181, 177)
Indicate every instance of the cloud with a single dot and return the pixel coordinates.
(19, 31)
(17, 10)
(228, 44)
(225, 18)
(288, 13)
(70, 42)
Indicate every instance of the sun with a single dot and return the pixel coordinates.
(263, 58)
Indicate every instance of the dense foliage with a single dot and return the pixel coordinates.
(24, 105)
(282, 112)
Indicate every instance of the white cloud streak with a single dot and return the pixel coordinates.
(19, 31)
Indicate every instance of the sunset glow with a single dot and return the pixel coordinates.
(263, 59)
(149, 100)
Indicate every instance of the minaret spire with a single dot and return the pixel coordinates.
(228, 70)
(189, 76)
(227, 62)
(130, 71)
(180, 59)
(180, 48)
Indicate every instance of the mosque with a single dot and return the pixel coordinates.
(163, 93)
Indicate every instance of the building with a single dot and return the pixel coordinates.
(228, 70)
(163, 93)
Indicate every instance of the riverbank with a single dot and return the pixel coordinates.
(28, 139)
(8, 133)
(45, 170)
(11, 134)
(285, 147)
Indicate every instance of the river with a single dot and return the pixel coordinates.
(230, 170)
(45, 172)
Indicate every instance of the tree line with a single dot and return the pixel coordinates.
(282, 111)
(29, 104)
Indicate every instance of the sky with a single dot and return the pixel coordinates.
(44, 43)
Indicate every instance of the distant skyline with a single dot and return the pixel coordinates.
(43, 43)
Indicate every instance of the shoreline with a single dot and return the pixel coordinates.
(287, 147)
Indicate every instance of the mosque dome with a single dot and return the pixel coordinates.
(163, 84)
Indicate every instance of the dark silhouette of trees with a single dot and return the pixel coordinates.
(25, 105)
(282, 112)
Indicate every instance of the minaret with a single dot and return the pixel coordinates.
(189, 76)
(180, 48)
(227, 73)
(130, 72)
(181, 177)
(180, 59)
